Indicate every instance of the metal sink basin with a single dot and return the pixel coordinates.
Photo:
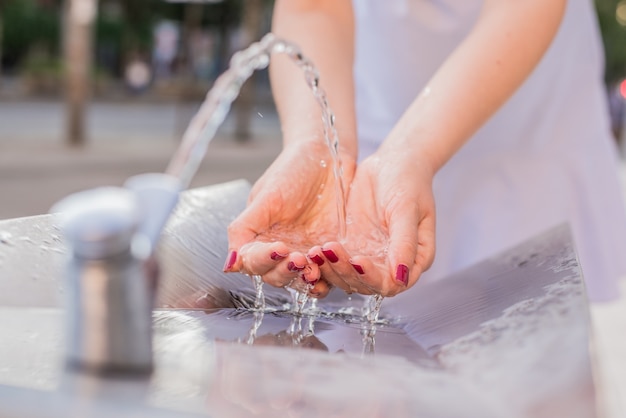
(506, 337)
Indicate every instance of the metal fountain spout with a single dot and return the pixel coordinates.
(112, 273)
(113, 231)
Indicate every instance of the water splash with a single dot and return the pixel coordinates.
(299, 298)
(5, 237)
(259, 299)
(369, 340)
(313, 309)
(372, 308)
(258, 320)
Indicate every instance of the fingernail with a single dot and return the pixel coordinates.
(358, 268)
(330, 254)
(312, 282)
(402, 274)
(317, 260)
(277, 256)
(292, 267)
(230, 261)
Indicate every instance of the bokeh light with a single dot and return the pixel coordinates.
(620, 13)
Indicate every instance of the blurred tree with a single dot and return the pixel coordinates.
(138, 18)
(613, 29)
(29, 24)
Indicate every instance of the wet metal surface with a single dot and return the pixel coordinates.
(506, 337)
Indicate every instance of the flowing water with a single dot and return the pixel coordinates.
(213, 111)
(259, 301)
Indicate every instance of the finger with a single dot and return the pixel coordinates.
(289, 271)
(261, 257)
(337, 268)
(311, 273)
(243, 230)
(320, 289)
(403, 244)
(372, 276)
(426, 244)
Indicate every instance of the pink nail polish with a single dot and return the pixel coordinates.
(317, 260)
(358, 268)
(330, 254)
(230, 261)
(402, 274)
(292, 267)
(276, 256)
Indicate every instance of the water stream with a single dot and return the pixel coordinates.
(213, 111)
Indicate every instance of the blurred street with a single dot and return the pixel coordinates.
(37, 168)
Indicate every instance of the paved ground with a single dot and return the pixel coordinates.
(37, 168)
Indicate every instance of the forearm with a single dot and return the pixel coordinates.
(324, 30)
(507, 42)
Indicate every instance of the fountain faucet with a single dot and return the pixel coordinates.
(113, 232)
(112, 272)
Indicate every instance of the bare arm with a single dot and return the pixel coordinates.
(324, 30)
(507, 42)
(479, 76)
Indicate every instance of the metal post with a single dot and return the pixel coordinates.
(79, 16)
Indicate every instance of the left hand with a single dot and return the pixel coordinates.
(390, 236)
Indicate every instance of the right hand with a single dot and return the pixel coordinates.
(291, 208)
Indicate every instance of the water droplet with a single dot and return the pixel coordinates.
(323, 163)
(259, 113)
(5, 236)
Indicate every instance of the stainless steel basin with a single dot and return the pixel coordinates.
(506, 337)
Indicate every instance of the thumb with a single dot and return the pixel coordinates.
(411, 243)
(243, 230)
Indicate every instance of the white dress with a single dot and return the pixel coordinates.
(546, 157)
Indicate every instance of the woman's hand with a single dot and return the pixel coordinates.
(291, 208)
(391, 228)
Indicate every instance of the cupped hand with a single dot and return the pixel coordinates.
(291, 208)
(390, 237)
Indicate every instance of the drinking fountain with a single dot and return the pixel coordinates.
(508, 336)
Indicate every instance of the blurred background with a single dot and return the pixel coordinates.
(94, 91)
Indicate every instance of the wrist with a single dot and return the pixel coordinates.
(313, 141)
(409, 151)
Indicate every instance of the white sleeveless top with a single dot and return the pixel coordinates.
(546, 157)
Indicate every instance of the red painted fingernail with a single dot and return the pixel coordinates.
(402, 274)
(330, 254)
(312, 282)
(358, 268)
(277, 256)
(230, 261)
(317, 260)
(292, 267)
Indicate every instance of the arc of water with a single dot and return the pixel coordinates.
(214, 109)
